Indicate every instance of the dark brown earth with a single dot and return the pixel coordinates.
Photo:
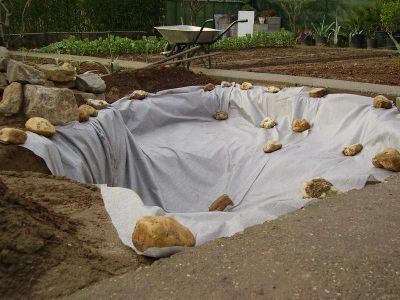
(362, 65)
(346, 247)
(56, 237)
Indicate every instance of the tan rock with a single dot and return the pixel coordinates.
(113, 95)
(221, 115)
(138, 95)
(272, 89)
(389, 159)
(40, 126)
(3, 81)
(226, 84)
(318, 93)
(4, 63)
(4, 52)
(209, 87)
(300, 125)
(221, 203)
(85, 112)
(268, 123)
(97, 104)
(12, 136)
(57, 73)
(318, 188)
(161, 232)
(352, 150)
(20, 72)
(246, 86)
(68, 66)
(272, 146)
(12, 99)
(382, 102)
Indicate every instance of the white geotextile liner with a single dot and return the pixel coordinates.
(178, 159)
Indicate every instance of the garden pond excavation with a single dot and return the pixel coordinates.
(67, 242)
(359, 65)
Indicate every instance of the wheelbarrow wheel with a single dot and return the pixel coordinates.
(168, 49)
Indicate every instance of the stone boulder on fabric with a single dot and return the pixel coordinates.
(97, 104)
(161, 232)
(272, 89)
(40, 126)
(12, 136)
(388, 159)
(57, 73)
(20, 72)
(12, 99)
(272, 146)
(221, 203)
(226, 84)
(318, 188)
(91, 83)
(318, 93)
(352, 150)
(300, 125)
(382, 102)
(209, 87)
(268, 123)
(56, 105)
(81, 97)
(85, 112)
(246, 86)
(138, 95)
(221, 115)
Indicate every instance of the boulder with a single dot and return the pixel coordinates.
(268, 123)
(4, 64)
(3, 81)
(389, 159)
(40, 126)
(272, 146)
(97, 104)
(318, 93)
(81, 97)
(56, 105)
(12, 99)
(91, 83)
(113, 95)
(272, 89)
(221, 203)
(226, 84)
(12, 136)
(85, 112)
(221, 115)
(161, 232)
(138, 95)
(4, 52)
(68, 66)
(246, 86)
(382, 102)
(352, 150)
(318, 188)
(20, 72)
(209, 87)
(300, 125)
(57, 73)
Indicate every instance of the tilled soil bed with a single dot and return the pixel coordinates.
(56, 237)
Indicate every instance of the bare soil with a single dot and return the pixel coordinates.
(56, 237)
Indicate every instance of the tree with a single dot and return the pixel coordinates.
(293, 10)
(5, 20)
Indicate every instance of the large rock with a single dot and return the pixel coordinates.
(246, 86)
(4, 52)
(209, 87)
(3, 81)
(300, 125)
(389, 159)
(40, 126)
(12, 136)
(221, 203)
(97, 104)
(12, 99)
(58, 73)
(56, 105)
(272, 89)
(318, 188)
(161, 232)
(82, 97)
(138, 95)
(91, 83)
(318, 93)
(352, 150)
(221, 115)
(268, 123)
(4, 59)
(85, 112)
(382, 102)
(20, 72)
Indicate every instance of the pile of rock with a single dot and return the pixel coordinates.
(49, 91)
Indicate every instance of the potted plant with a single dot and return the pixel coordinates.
(308, 38)
(390, 18)
(337, 39)
(321, 32)
(357, 37)
(372, 42)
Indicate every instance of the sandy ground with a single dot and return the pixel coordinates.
(345, 247)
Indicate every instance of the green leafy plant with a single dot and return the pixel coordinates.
(390, 18)
(322, 29)
(336, 32)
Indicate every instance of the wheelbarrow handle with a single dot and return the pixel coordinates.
(227, 29)
(201, 30)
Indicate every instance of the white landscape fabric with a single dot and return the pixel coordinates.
(178, 159)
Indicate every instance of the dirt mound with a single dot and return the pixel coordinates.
(56, 237)
(154, 80)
